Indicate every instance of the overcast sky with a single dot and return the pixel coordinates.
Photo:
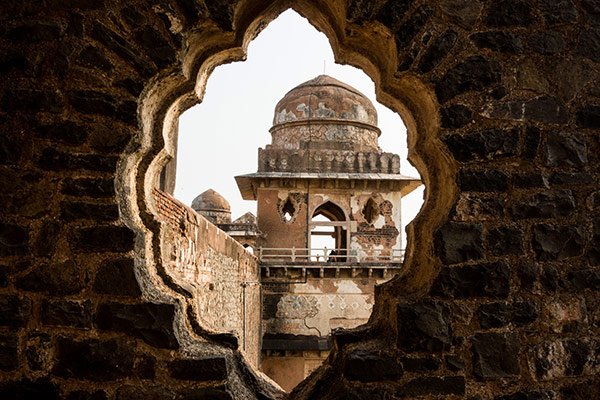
(219, 138)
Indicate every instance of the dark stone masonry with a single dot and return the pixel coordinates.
(500, 296)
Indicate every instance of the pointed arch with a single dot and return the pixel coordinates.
(331, 211)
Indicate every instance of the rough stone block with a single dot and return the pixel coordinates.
(475, 73)
(155, 46)
(106, 139)
(589, 117)
(88, 187)
(14, 310)
(529, 180)
(437, 51)
(547, 204)
(27, 100)
(145, 367)
(145, 392)
(222, 13)
(371, 367)
(558, 11)
(420, 364)
(31, 32)
(85, 395)
(456, 116)
(565, 358)
(26, 389)
(588, 278)
(393, 12)
(55, 160)
(47, 238)
(160, 392)
(582, 390)
(486, 181)
(546, 109)
(494, 315)
(74, 210)
(412, 26)
(464, 13)
(529, 395)
(484, 145)
(14, 239)
(531, 143)
(153, 323)
(454, 363)
(117, 277)
(547, 42)
(4, 276)
(572, 178)
(61, 279)
(9, 346)
(459, 242)
(501, 41)
(505, 241)
(107, 238)
(500, 314)
(433, 386)
(524, 312)
(479, 280)
(11, 150)
(76, 314)
(121, 46)
(68, 132)
(424, 326)
(95, 360)
(565, 149)
(38, 351)
(472, 206)
(94, 58)
(505, 13)
(203, 369)
(495, 355)
(361, 10)
(588, 44)
(550, 279)
(557, 242)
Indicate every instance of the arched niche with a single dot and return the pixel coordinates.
(369, 46)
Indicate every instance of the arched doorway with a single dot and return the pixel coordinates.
(329, 233)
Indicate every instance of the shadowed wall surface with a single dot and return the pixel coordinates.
(499, 295)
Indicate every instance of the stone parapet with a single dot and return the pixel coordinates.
(327, 160)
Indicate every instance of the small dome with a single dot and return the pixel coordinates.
(325, 98)
(211, 201)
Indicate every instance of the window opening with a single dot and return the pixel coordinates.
(328, 234)
(239, 110)
(370, 211)
(288, 210)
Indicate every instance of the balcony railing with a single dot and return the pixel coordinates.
(272, 255)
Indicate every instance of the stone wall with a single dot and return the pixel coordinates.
(499, 295)
(220, 274)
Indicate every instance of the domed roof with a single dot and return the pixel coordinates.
(210, 201)
(325, 98)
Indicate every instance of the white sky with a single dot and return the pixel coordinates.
(219, 138)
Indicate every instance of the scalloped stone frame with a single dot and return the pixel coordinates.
(370, 47)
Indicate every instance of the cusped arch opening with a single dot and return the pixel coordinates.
(171, 94)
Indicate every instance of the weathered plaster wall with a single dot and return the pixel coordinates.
(221, 275)
(318, 306)
(368, 240)
(502, 105)
(281, 233)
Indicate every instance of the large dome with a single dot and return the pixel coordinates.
(325, 98)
